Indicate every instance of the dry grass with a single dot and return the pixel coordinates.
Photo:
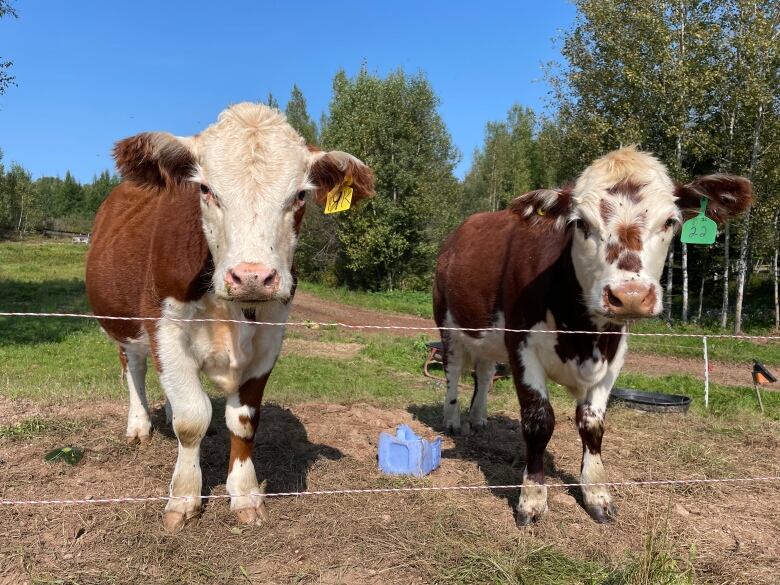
(719, 533)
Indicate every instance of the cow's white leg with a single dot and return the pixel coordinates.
(242, 414)
(537, 421)
(191, 410)
(452, 355)
(484, 371)
(590, 424)
(139, 426)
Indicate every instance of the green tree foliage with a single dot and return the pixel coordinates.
(392, 124)
(298, 116)
(518, 155)
(6, 79)
(271, 101)
(695, 81)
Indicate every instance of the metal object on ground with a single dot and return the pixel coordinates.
(650, 401)
(435, 356)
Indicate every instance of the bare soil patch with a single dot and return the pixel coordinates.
(410, 538)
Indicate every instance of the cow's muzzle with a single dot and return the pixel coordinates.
(251, 282)
(630, 300)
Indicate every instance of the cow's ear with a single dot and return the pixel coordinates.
(155, 159)
(328, 170)
(727, 195)
(547, 207)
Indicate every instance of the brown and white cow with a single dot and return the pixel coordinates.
(205, 227)
(582, 258)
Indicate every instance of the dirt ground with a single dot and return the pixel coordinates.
(313, 308)
(411, 538)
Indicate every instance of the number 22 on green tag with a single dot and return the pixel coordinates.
(700, 229)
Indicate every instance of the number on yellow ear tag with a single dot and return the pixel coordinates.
(700, 229)
(340, 197)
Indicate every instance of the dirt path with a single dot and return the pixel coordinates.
(313, 308)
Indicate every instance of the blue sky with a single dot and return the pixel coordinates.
(90, 73)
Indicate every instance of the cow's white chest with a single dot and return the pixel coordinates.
(575, 374)
(228, 353)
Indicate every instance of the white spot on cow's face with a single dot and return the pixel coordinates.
(252, 168)
(626, 191)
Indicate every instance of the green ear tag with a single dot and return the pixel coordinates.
(700, 229)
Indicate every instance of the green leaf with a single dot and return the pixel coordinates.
(70, 455)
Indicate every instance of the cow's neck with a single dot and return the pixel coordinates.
(570, 312)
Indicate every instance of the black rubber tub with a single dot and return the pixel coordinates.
(650, 401)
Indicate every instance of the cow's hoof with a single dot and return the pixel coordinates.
(525, 518)
(256, 515)
(139, 439)
(173, 522)
(605, 513)
(479, 426)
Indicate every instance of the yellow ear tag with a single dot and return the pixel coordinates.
(340, 197)
(540, 212)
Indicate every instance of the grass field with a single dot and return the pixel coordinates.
(59, 384)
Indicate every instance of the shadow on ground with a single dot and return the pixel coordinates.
(282, 453)
(498, 451)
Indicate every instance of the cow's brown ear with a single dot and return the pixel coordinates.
(727, 195)
(155, 159)
(330, 169)
(547, 207)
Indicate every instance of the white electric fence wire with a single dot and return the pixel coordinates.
(312, 324)
(364, 491)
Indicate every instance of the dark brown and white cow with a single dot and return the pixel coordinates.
(581, 258)
(206, 227)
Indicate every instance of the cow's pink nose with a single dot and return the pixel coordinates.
(251, 281)
(630, 299)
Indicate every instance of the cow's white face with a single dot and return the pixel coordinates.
(253, 171)
(625, 216)
(624, 211)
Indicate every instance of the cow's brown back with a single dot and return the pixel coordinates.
(147, 245)
(492, 262)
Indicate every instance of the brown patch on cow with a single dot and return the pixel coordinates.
(591, 429)
(728, 196)
(613, 252)
(606, 210)
(147, 246)
(630, 236)
(250, 394)
(628, 188)
(329, 171)
(298, 219)
(240, 449)
(630, 262)
(154, 159)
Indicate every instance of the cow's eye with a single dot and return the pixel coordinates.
(669, 223)
(204, 189)
(582, 225)
(301, 195)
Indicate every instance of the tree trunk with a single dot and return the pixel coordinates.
(745, 243)
(685, 283)
(775, 272)
(669, 277)
(701, 297)
(741, 274)
(724, 311)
